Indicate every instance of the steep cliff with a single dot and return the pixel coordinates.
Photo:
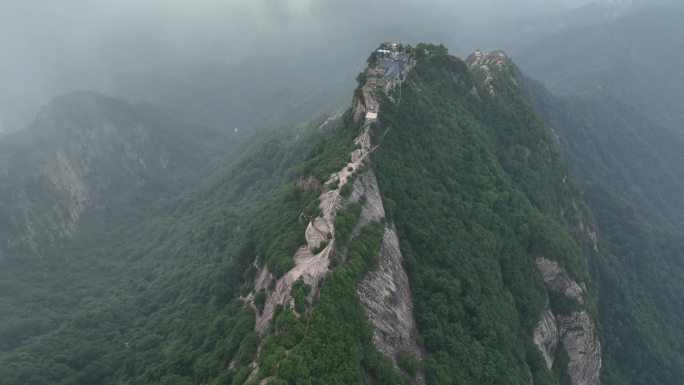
(166, 260)
(311, 264)
(429, 235)
(571, 327)
(432, 236)
(623, 142)
(477, 191)
(384, 290)
(574, 328)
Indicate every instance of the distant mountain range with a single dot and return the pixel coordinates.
(463, 223)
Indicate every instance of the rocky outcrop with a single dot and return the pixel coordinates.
(546, 336)
(358, 110)
(578, 334)
(385, 291)
(372, 210)
(310, 267)
(576, 330)
(558, 280)
(386, 295)
(486, 63)
(83, 151)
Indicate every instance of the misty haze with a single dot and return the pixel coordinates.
(341, 192)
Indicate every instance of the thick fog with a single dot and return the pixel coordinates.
(156, 49)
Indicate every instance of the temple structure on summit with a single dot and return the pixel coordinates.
(388, 67)
(391, 63)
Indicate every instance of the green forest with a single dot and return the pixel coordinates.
(477, 188)
(473, 213)
(151, 296)
(633, 192)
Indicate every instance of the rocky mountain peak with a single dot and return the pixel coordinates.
(487, 66)
(84, 150)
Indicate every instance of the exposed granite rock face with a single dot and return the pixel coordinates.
(372, 209)
(558, 280)
(358, 110)
(310, 267)
(546, 336)
(582, 346)
(576, 330)
(66, 163)
(386, 295)
(486, 63)
(385, 291)
(86, 151)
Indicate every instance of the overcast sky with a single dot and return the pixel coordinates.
(50, 47)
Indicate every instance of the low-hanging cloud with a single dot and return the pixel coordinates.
(51, 47)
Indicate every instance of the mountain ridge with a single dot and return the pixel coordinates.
(86, 150)
(431, 234)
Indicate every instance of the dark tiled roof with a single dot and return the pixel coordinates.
(393, 68)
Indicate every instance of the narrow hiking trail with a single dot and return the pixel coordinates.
(310, 267)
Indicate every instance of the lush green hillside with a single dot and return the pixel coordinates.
(149, 293)
(630, 164)
(631, 59)
(620, 122)
(89, 152)
(146, 292)
(478, 193)
(150, 288)
(474, 185)
(619, 128)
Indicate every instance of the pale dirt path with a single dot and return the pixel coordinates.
(312, 268)
(393, 319)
